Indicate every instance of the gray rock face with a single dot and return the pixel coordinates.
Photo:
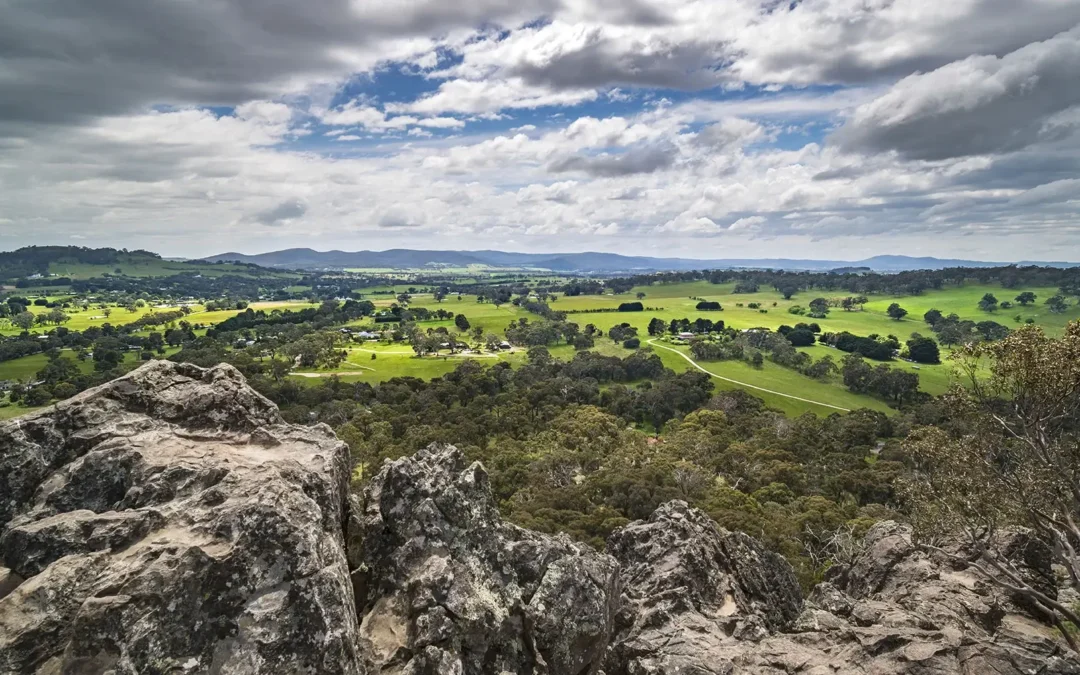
(169, 522)
(702, 601)
(444, 586)
(691, 590)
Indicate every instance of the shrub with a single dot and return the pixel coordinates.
(923, 350)
(800, 337)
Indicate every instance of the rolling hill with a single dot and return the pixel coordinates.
(588, 262)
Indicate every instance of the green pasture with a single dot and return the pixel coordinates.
(675, 299)
(399, 360)
(26, 368)
(780, 387)
(94, 316)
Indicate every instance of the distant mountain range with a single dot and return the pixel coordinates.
(583, 263)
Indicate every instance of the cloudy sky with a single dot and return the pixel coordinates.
(697, 128)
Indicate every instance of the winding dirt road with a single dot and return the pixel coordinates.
(746, 384)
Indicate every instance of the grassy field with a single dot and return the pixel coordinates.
(822, 398)
(493, 319)
(399, 360)
(81, 320)
(677, 303)
(24, 369)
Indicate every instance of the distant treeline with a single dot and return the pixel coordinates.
(328, 314)
(624, 307)
(44, 281)
(791, 283)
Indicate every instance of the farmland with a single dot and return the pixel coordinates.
(782, 388)
(81, 319)
(678, 300)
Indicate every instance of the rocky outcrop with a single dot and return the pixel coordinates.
(443, 585)
(695, 594)
(703, 601)
(169, 522)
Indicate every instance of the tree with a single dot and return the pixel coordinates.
(801, 337)
(896, 312)
(989, 303)
(1010, 457)
(581, 341)
(823, 368)
(461, 322)
(991, 330)
(57, 316)
(106, 312)
(640, 295)
(64, 390)
(923, 350)
(951, 334)
(58, 370)
(622, 332)
(933, 317)
(24, 320)
(37, 396)
(788, 289)
(819, 308)
(1057, 304)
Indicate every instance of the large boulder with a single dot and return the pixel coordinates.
(695, 594)
(703, 601)
(444, 586)
(170, 522)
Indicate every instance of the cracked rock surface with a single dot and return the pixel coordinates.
(703, 601)
(443, 585)
(170, 522)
